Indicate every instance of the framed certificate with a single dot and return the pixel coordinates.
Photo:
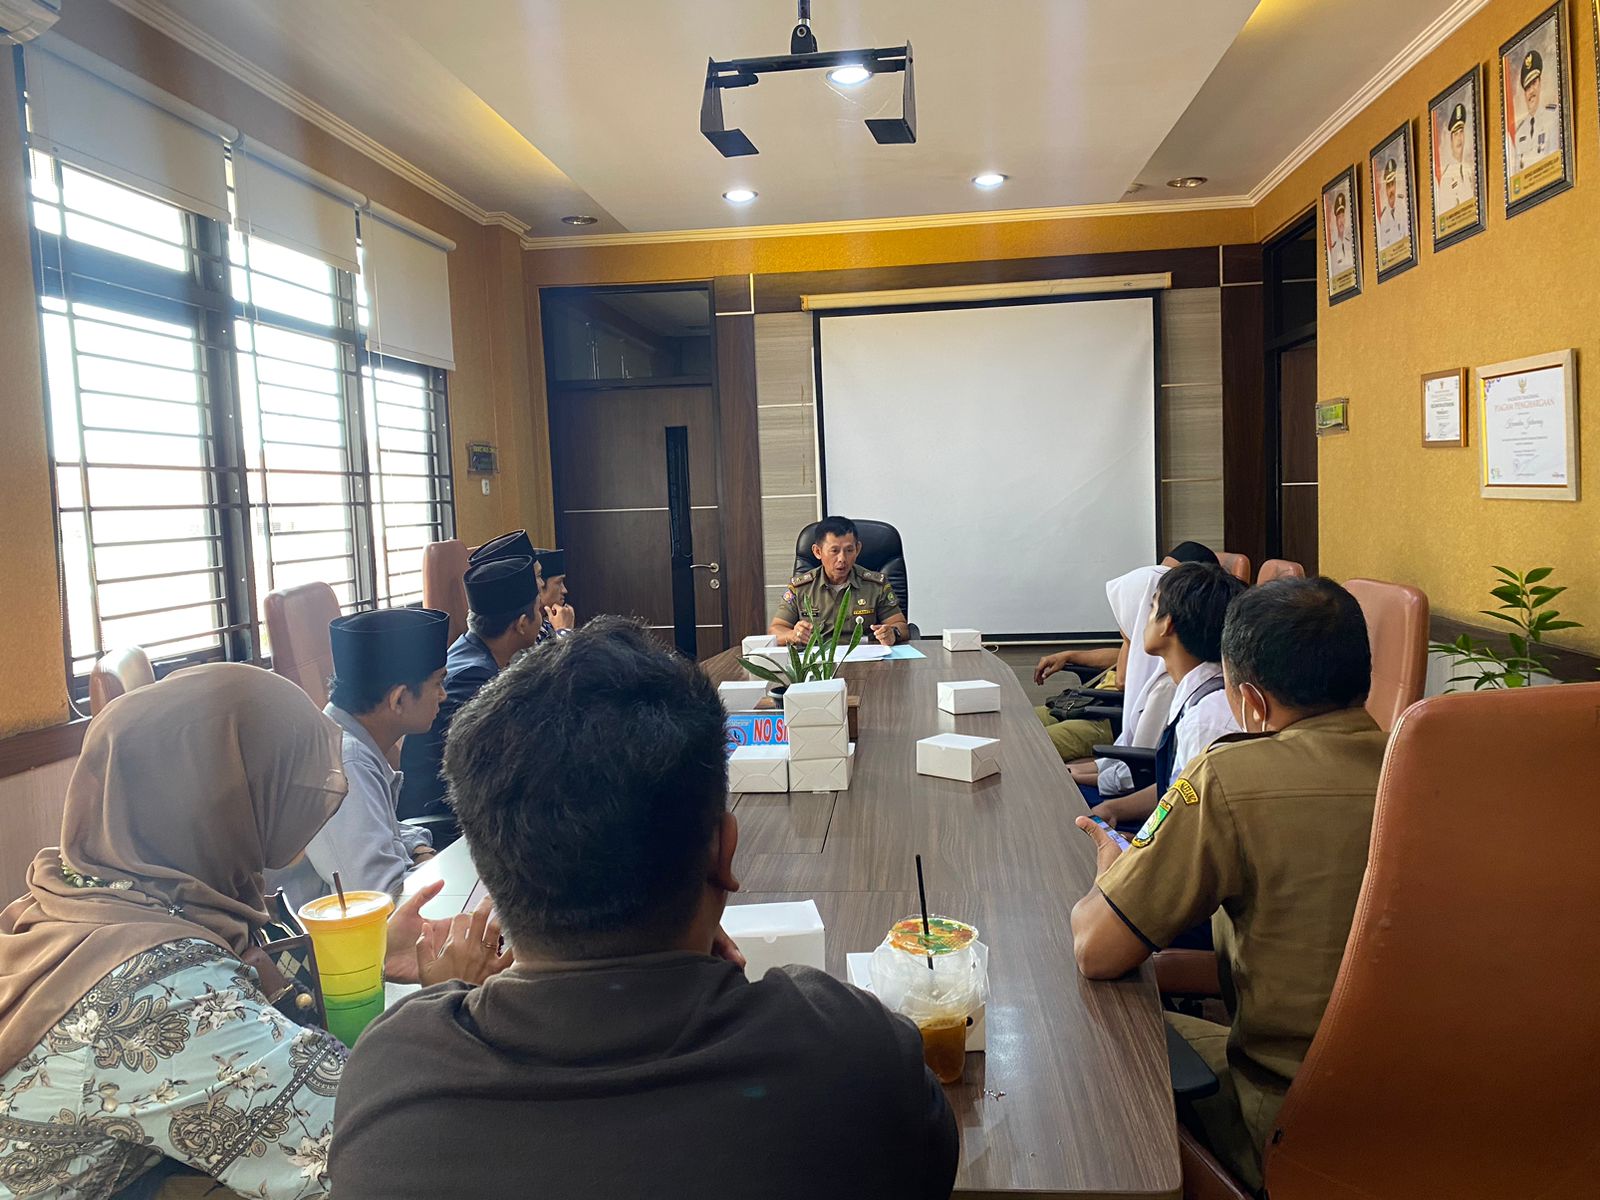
(1528, 427)
(1444, 408)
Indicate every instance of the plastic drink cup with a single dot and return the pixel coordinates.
(944, 1046)
(936, 979)
(350, 943)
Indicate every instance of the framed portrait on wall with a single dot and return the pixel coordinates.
(1394, 208)
(1341, 236)
(1528, 421)
(1536, 111)
(1455, 158)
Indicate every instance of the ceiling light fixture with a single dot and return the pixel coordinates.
(989, 180)
(738, 195)
(580, 219)
(804, 56)
(1186, 181)
(850, 76)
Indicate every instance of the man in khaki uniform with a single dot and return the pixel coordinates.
(811, 601)
(1266, 834)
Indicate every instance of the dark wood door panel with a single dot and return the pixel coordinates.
(1299, 508)
(617, 562)
(609, 446)
(1297, 414)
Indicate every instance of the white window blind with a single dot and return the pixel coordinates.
(294, 206)
(89, 112)
(407, 279)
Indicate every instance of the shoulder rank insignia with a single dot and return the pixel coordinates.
(803, 578)
(871, 576)
(1147, 831)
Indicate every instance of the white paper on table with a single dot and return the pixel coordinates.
(865, 653)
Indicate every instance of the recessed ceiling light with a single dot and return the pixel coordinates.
(579, 219)
(989, 179)
(738, 195)
(1186, 181)
(850, 75)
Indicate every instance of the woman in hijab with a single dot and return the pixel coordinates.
(130, 1030)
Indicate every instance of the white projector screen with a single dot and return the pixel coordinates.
(1013, 446)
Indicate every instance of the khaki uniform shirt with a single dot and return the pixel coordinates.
(1268, 836)
(872, 599)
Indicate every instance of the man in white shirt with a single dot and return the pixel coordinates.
(1185, 632)
(1341, 255)
(1455, 184)
(1539, 129)
(1393, 224)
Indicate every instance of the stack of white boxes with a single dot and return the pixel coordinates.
(816, 716)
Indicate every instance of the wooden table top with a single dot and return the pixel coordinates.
(1072, 1097)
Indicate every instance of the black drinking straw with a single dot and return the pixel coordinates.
(345, 909)
(922, 895)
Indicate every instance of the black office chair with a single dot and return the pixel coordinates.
(880, 551)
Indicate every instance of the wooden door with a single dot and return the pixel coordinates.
(609, 458)
(1297, 455)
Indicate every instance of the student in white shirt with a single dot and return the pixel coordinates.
(1185, 632)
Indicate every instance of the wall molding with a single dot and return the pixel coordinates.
(191, 37)
(1424, 44)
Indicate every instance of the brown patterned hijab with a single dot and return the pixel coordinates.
(184, 793)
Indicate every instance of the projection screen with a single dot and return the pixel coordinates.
(1013, 445)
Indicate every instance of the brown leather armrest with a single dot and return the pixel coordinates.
(1203, 1176)
(1186, 973)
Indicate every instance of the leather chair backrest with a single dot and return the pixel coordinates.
(1397, 628)
(1237, 565)
(1460, 1051)
(118, 672)
(880, 551)
(297, 626)
(1279, 568)
(444, 567)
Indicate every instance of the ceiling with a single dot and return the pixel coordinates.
(543, 108)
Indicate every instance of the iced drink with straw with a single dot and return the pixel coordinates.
(350, 935)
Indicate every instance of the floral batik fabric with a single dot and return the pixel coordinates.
(175, 1054)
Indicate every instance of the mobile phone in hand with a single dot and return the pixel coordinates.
(1122, 842)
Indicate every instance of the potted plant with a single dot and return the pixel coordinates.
(1525, 604)
(818, 659)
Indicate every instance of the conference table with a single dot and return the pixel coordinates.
(1072, 1096)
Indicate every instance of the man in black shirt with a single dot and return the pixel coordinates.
(619, 1057)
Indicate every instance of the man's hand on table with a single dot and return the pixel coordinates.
(466, 947)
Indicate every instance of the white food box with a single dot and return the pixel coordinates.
(967, 696)
(821, 774)
(759, 769)
(958, 756)
(776, 935)
(818, 703)
(741, 695)
(758, 642)
(963, 639)
(811, 742)
(859, 969)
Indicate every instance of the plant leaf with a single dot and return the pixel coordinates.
(761, 672)
(1507, 571)
(1516, 679)
(1500, 616)
(1543, 595)
(1508, 592)
(1549, 625)
(1519, 644)
(1538, 573)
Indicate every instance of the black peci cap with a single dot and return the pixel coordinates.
(551, 563)
(501, 587)
(402, 645)
(507, 545)
(1187, 552)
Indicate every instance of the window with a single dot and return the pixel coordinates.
(218, 428)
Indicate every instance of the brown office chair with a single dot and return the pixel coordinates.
(117, 672)
(1279, 568)
(297, 625)
(1237, 565)
(1458, 1053)
(1397, 628)
(444, 567)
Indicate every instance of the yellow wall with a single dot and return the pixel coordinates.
(489, 389)
(1389, 508)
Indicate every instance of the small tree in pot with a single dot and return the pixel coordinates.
(817, 660)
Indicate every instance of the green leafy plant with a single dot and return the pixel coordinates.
(817, 660)
(1525, 604)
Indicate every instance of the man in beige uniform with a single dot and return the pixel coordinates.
(811, 601)
(1266, 834)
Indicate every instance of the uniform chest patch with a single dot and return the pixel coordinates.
(1147, 831)
(1185, 789)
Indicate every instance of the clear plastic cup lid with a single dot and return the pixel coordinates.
(945, 935)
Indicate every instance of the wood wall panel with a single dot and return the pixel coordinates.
(30, 814)
(743, 564)
(1244, 421)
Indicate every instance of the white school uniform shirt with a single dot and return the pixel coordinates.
(1204, 721)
